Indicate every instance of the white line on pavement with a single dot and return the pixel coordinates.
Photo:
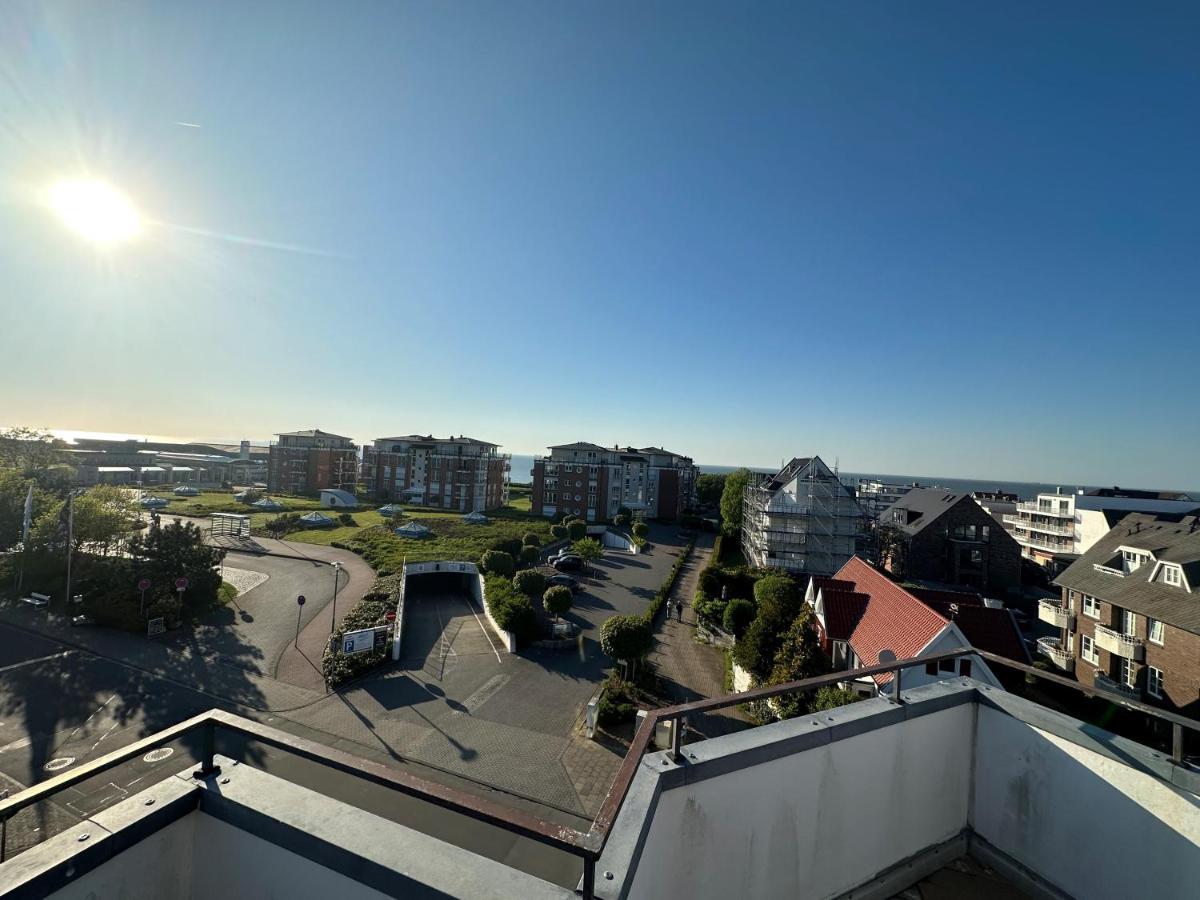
(471, 603)
(40, 659)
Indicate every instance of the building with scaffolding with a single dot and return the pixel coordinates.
(801, 519)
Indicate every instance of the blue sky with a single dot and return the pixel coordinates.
(942, 238)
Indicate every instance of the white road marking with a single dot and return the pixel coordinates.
(31, 662)
(471, 603)
(16, 745)
(484, 693)
(103, 736)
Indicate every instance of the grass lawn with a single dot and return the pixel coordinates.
(209, 502)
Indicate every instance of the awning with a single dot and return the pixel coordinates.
(113, 469)
(182, 469)
(152, 468)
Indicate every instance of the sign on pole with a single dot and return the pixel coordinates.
(181, 584)
(299, 612)
(156, 627)
(358, 641)
(144, 584)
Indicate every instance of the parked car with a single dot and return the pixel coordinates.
(568, 563)
(81, 620)
(564, 581)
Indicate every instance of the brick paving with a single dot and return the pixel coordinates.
(688, 668)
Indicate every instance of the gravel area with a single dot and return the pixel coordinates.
(243, 579)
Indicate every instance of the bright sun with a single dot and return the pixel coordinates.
(95, 210)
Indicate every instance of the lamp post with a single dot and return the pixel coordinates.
(337, 571)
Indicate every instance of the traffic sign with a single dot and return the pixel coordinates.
(358, 641)
(181, 584)
(144, 584)
(156, 626)
(300, 601)
(391, 617)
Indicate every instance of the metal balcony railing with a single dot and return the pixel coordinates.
(1123, 645)
(1112, 686)
(1053, 613)
(1052, 647)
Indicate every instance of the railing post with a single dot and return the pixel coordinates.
(676, 737)
(1176, 743)
(896, 686)
(3, 827)
(208, 749)
(589, 878)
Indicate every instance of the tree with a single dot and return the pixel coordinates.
(559, 532)
(626, 638)
(709, 489)
(779, 603)
(529, 582)
(731, 501)
(738, 616)
(529, 555)
(577, 529)
(103, 517)
(799, 656)
(531, 539)
(589, 550)
(640, 529)
(557, 600)
(174, 551)
(14, 488)
(830, 697)
(620, 520)
(777, 595)
(29, 450)
(497, 562)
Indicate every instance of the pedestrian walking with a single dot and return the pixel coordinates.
(679, 609)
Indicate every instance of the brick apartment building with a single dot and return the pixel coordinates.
(307, 462)
(459, 473)
(593, 482)
(1129, 615)
(931, 534)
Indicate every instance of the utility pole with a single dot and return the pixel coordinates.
(70, 545)
(337, 571)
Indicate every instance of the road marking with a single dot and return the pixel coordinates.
(32, 662)
(485, 692)
(16, 745)
(471, 603)
(75, 730)
(103, 736)
(61, 763)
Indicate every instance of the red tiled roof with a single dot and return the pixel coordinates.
(993, 630)
(824, 581)
(940, 599)
(893, 620)
(842, 609)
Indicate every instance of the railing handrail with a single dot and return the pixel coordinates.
(1119, 635)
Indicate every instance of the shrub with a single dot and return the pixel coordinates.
(620, 521)
(529, 555)
(347, 520)
(626, 638)
(530, 539)
(497, 562)
(799, 656)
(577, 530)
(618, 703)
(529, 582)
(557, 600)
(641, 529)
(510, 608)
(511, 546)
(559, 532)
(830, 697)
(737, 616)
(711, 610)
(777, 592)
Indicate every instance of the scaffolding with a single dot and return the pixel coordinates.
(814, 530)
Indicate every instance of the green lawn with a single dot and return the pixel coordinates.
(209, 502)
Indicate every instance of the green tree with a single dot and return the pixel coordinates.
(779, 603)
(830, 697)
(577, 529)
(497, 562)
(738, 616)
(620, 520)
(777, 595)
(531, 539)
(30, 450)
(626, 639)
(641, 529)
(709, 489)
(529, 555)
(14, 488)
(731, 501)
(529, 582)
(174, 551)
(799, 656)
(589, 550)
(557, 600)
(559, 532)
(103, 518)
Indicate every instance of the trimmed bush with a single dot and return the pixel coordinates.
(737, 616)
(510, 608)
(557, 600)
(347, 520)
(618, 703)
(511, 546)
(641, 529)
(577, 530)
(529, 555)
(529, 582)
(559, 532)
(497, 562)
(830, 697)
(626, 638)
(530, 539)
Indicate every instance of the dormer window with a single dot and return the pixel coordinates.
(1132, 559)
(1172, 576)
(899, 516)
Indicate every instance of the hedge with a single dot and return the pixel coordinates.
(369, 612)
(664, 591)
(511, 609)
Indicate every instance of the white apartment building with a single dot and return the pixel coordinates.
(1056, 529)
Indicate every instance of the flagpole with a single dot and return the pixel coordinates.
(25, 522)
(70, 542)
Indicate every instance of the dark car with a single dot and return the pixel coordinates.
(568, 563)
(564, 581)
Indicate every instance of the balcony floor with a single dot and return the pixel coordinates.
(965, 877)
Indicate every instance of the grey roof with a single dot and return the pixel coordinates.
(344, 496)
(661, 452)
(1125, 493)
(786, 474)
(313, 432)
(924, 505)
(316, 518)
(578, 445)
(460, 439)
(1171, 538)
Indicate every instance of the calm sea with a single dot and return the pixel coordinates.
(522, 472)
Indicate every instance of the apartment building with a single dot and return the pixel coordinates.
(593, 482)
(307, 462)
(874, 496)
(931, 534)
(458, 473)
(1055, 529)
(1129, 614)
(801, 519)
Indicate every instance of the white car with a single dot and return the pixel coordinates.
(37, 601)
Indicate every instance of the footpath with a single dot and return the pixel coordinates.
(689, 668)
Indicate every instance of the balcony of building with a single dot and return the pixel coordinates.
(1124, 645)
(1052, 612)
(1051, 545)
(1111, 686)
(1029, 524)
(1052, 649)
(1032, 507)
(864, 801)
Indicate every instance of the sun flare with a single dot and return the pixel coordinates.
(97, 211)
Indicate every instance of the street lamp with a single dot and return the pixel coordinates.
(337, 571)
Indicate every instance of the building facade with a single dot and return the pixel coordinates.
(459, 473)
(594, 482)
(1056, 529)
(1129, 614)
(874, 496)
(306, 462)
(801, 519)
(931, 534)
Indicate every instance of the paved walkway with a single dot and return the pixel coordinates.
(692, 670)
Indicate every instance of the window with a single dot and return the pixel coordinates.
(1091, 606)
(964, 667)
(1071, 600)
(1088, 650)
(1128, 623)
(1171, 575)
(1128, 673)
(1154, 682)
(946, 665)
(1154, 631)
